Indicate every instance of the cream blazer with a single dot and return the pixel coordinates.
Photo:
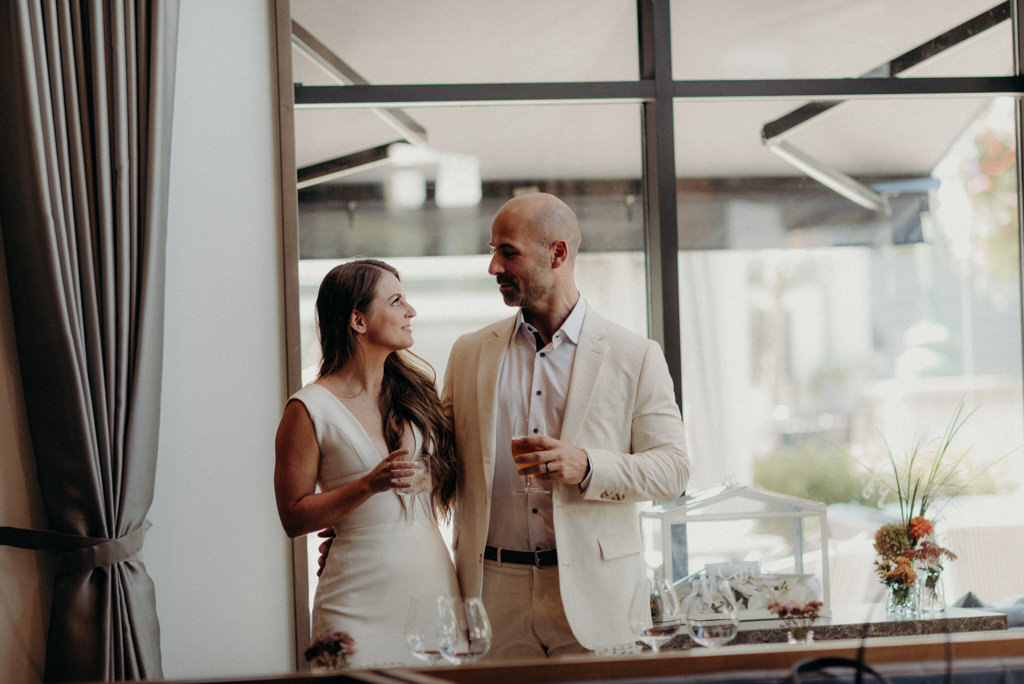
(620, 408)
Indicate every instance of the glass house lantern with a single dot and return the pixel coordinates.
(770, 546)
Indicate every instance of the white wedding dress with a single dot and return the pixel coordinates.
(382, 555)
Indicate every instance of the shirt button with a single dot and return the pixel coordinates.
(539, 393)
(535, 510)
(542, 355)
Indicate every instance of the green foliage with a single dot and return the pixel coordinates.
(924, 474)
(932, 471)
(929, 471)
(813, 470)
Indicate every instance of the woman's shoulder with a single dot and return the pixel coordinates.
(311, 394)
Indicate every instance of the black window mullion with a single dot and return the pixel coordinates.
(1017, 17)
(660, 204)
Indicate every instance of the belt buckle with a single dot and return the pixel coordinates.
(536, 559)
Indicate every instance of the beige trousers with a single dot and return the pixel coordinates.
(525, 608)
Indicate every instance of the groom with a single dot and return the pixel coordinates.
(556, 570)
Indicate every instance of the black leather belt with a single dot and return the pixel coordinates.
(540, 559)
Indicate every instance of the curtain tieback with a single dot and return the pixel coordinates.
(76, 553)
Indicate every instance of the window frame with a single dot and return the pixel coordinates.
(656, 92)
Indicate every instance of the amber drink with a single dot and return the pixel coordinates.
(521, 446)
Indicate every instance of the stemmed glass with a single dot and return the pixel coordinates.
(473, 632)
(711, 612)
(430, 627)
(520, 430)
(654, 612)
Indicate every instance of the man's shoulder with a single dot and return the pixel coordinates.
(612, 332)
(485, 333)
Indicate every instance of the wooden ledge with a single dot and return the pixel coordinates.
(739, 658)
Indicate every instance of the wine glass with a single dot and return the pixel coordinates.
(430, 627)
(521, 430)
(473, 632)
(711, 612)
(654, 612)
(419, 481)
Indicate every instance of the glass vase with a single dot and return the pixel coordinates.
(800, 635)
(903, 603)
(932, 595)
(328, 662)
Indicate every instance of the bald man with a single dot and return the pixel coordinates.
(556, 569)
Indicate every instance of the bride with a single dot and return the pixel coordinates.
(345, 446)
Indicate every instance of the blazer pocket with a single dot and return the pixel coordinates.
(619, 545)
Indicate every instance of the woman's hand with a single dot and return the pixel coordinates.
(325, 548)
(388, 474)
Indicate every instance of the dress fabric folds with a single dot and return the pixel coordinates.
(383, 554)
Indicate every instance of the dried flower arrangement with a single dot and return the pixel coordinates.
(798, 617)
(906, 549)
(331, 651)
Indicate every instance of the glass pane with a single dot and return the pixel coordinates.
(428, 211)
(806, 39)
(743, 170)
(813, 346)
(452, 41)
(509, 144)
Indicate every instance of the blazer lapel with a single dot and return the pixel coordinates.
(586, 368)
(492, 354)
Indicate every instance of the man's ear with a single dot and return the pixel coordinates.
(358, 321)
(559, 253)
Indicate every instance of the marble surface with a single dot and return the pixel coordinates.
(859, 621)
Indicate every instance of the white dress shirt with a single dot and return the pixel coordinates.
(532, 388)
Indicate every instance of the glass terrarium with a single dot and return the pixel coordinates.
(770, 546)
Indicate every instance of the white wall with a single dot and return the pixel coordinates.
(216, 551)
(25, 581)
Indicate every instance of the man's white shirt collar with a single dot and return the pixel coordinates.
(571, 328)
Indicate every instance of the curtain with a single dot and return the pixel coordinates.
(712, 289)
(85, 126)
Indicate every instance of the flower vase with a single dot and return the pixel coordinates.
(903, 603)
(329, 662)
(933, 597)
(800, 635)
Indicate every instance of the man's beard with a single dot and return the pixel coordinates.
(512, 297)
(520, 296)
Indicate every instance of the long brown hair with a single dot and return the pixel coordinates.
(408, 392)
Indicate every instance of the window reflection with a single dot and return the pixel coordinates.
(802, 366)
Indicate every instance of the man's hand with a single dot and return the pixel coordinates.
(325, 547)
(558, 460)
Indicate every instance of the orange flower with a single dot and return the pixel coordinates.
(903, 573)
(919, 527)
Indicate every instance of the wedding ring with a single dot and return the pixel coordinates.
(547, 466)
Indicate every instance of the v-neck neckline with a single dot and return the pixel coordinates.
(366, 435)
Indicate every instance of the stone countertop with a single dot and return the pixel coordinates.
(859, 621)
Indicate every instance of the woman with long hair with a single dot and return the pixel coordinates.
(346, 446)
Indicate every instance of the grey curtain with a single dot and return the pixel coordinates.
(85, 126)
